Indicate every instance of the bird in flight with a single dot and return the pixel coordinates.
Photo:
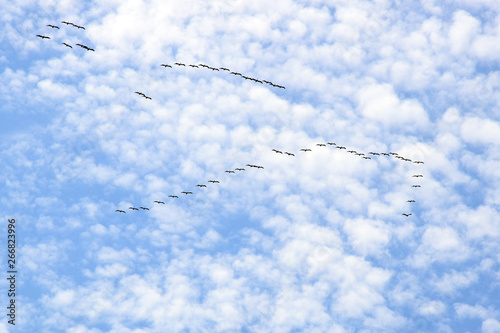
(367, 158)
(67, 23)
(305, 149)
(417, 176)
(410, 201)
(144, 208)
(229, 171)
(186, 192)
(340, 147)
(393, 153)
(165, 65)
(173, 196)
(193, 66)
(43, 37)
(133, 208)
(53, 26)
(239, 169)
(259, 167)
(201, 185)
(179, 64)
(213, 181)
(159, 202)
(406, 215)
(289, 154)
(277, 151)
(67, 45)
(224, 69)
(321, 144)
(418, 162)
(416, 186)
(331, 143)
(121, 211)
(386, 154)
(373, 153)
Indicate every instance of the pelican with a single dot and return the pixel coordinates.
(406, 215)
(213, 181)
(67, 45)
(53, 26)
(133, 208)
(410, 201)
(173, 196)
(144, 208)
(305, 149)
(43, 37)
(121, 211)
(201, 185)
(416, 186)
(289, 154)
(159, 202)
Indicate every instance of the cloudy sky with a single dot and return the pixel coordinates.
(312, 242)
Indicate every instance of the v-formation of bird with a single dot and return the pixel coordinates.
(66, 44)
(396, 155)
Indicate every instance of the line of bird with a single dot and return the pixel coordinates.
(66, 44)
(239, 169)
(226, 70)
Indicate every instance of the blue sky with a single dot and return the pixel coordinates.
(314, 242)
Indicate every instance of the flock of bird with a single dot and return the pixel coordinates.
(239, 169)
(362, 155)
(64, 43)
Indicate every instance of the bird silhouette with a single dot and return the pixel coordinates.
(305, 149)
(416, 186)
(67, 45)
(179, 64)
(418, 162)
(187, 192)
(406, 215)
(229, 171)
(321, 144)
(193, 66)
(289, 154)
(239, 169)
(43, 37)
(67, 23)
(173, 196)
(165, 65)
(367, 158)
(133, 208)
(410, 201)
(331, 143)
(159, 202)
(144, 208)
(201, 185)
(53, 26)
(213, 181)
(121, 211)
(224, 69)
(417, 176)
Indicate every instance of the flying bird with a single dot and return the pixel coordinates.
(259, 167)
(321, 144)
(193, 66)
(173, 196)
(165, 65)
(159, 202)
(340, 147)
(410, 201)
(393, 153)
(224, 69)
(305, 149)
(229, 171)
(67, 23)
(133, 208)
(386, 154)
(373, 153)
(144, 208)
(367, 158)
(78, 26)
(201, 185)
(289, 154)
(406, 215)
(43, 37)
(418, 162)
(239, 169)
(417, 176)
(53, 26)
(67, 45)
(331, 143)
(213, 181)
(179, 64)
(121, 211)
(277, 151)
(416, 186)
(186, 192)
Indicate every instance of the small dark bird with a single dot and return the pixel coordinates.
(159, 202)
(340, 147)
(289, 154)
(139, 93)
(331, 143)
(406, 159)
(321, 145)
(386, 154)
(352, 151)
(186, 192)
(224, 69)
(367, 158)
(410, 201)
(67, 23)
(165, 65)
(259, 167)
(416, 186)
(239, 169)
(418, 162)
(202, 65)
(417, 176)
(213, 68)
(121, 211)
(179, 64)
(305, 149)
(373, 153)
(213, 181)
(79, 26)
(201, 185)
(147, 97)
(406, 215)
(193, 66)
(229, 171)
(393, 153)
(277, 151)
(173, 196)
(43, 37)
(144, 208)
(133, 208)
(67, 45)
(251, 165)
(53, 26)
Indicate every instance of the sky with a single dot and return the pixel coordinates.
(311, 242)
